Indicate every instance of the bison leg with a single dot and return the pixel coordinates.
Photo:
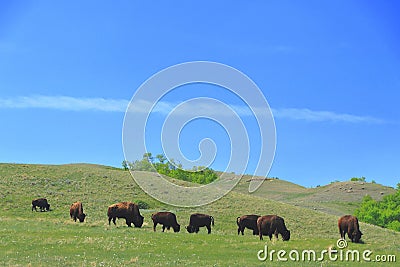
(260, 234)
(74, 218)
(114, 218)
(163, 228)
(241, 230)
(154, 226)
(209, 229)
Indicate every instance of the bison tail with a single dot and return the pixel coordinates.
(212, 220)
(237, 221)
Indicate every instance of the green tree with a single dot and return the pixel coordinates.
(360, 179)
(385, 213)
(161, 158)
(148, 156)
(201, 175)
(125, 165)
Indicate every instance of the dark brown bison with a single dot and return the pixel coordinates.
(247, 221)
(41, 203)
(76, 211)
(167, 219)
(349, 224)
(127, 210)
(198, 220)
(272, 224)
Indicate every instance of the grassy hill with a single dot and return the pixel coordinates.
(337, 198)
(52, 239)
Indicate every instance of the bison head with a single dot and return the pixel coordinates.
(190, 229)
(139, 221)
(81, 217)
(357, 236)
(286, 235)
(176, 228)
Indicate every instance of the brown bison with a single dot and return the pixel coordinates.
(349, 224)
(76, 211)
(272, 224)
(198, 220)
(127, 210)
(247, 221)
(41, 203)
(167, 219)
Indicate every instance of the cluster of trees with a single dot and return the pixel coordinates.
(385, 213)
(359, 179)
(162, 165)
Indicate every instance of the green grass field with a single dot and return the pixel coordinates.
(52, 239)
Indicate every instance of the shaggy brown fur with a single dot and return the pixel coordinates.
(167, 219)
(41, 203)
(198, 220)
(349, 224)
(272, 224)
(76, 211)
(127, 210)
(247, 221)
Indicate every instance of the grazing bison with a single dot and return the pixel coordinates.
(76, 211)
(167, 219)
(198, 220)
(247, 221)
(41, 203)
(272, 224)
(349, 224)
(127, 210)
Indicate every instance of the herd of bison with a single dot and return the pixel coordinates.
(261, 225)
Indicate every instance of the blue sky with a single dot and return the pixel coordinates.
(329, 70)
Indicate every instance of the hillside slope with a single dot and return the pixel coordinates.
(337, 198)
(53, 239)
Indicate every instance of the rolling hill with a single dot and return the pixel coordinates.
(52, 239)
(337, 198)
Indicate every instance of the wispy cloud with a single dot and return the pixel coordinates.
(320, 116)
(68, 103)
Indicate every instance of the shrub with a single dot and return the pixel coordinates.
(142, 204)
(360, 179)
(384, 213)
(200, 175)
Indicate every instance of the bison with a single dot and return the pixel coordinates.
(349, 224)
(167, 219)
(272, 224)
(41, 203)
(127, 210)
(198, 220)
(247, 221)
(76, 211)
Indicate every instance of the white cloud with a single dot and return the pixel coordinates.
(119, 105)
(65, 103)
(320, 116)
